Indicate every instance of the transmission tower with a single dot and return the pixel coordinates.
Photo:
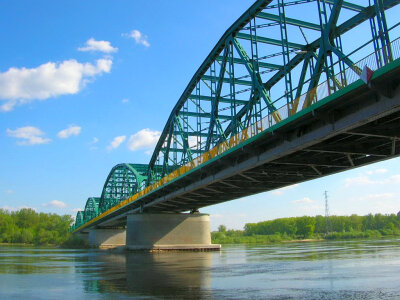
(327, 216)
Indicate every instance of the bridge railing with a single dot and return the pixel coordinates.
(323, 90)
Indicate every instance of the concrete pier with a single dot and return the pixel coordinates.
(84, 236)
(107, 238)
(169, 232)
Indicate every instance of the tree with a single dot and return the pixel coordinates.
(305, 226)
(222, 228)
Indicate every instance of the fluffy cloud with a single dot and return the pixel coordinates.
(143, 139)
(70, 131)
(102, 46)
(359, 180)
(116, 142)
(93, 143)
(20, 86)
(9, 192)
(55, 204)
(139, 37)
(377, 171)
(363, 179)
(280, 191)
(125, 100)
(28, 136)
(304, 200)
(381, 196)
(10, 208)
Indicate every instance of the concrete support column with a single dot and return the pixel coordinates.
(169, 232)
(107, 238)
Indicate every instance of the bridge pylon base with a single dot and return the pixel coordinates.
(106, 238)
(163, 232)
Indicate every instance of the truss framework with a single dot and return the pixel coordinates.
(270, 64)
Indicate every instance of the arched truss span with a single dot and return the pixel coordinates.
(123, 181)
(79, 220)
(279, 57)
(91, 208)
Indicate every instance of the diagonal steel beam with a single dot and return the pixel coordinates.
(257, 83)
(215, 101)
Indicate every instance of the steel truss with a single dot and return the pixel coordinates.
(270, 64)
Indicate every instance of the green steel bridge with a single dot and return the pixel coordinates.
(278, 100)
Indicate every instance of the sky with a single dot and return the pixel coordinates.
(85, 85)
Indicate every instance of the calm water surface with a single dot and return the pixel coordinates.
(320, 270)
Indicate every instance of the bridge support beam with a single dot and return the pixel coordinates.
(169, 232)
(107, 238)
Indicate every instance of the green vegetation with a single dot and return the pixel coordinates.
(300, 228)
(29, 227)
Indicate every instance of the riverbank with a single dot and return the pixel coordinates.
(238, 237)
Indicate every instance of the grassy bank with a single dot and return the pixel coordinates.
(218, 238)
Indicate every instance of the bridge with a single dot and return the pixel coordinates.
(294, 90)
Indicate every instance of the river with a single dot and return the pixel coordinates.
(367, 269)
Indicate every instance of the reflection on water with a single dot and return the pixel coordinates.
(321, 270)
(171, 273)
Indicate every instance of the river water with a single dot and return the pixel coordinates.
(318, 270)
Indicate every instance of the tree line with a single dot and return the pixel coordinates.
(333, 227)
(30, 227)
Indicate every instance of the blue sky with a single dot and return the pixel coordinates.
(85, 85)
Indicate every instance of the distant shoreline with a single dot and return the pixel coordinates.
(276, 239)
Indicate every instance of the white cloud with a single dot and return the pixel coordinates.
(393, 179)
(362, 179)
(70, 131)
(377, 171)
(143, 139)
(139, 37)
(29, 135)
(9, 192)
(75, 210)
(304, 200)
(21, 86)
(192, 141)
(280, 191)
(125, 100)
(10, 208)
(55, 203)
(93, 142)
(102, 46)
(385, 202)
(359, 180)
(382, 196)
(116, 142)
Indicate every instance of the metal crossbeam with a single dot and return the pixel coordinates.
(270, 41)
